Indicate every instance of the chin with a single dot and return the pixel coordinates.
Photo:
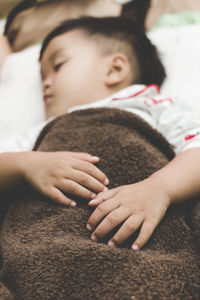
(53, 114)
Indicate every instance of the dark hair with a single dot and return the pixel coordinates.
(119, 29)
(25, 4)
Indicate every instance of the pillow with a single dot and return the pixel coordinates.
(179, 48)
(21, 104)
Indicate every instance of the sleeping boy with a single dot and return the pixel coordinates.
(107, 62)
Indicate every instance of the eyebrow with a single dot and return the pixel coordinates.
(52, 57)
(55, 53)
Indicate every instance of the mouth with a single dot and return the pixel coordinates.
(47, 98)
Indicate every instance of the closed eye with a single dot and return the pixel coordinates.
(57, 66)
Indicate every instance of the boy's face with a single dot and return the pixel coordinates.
(73, 72)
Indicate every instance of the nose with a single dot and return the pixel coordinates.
(47, 82)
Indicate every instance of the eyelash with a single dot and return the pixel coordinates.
(57, 67)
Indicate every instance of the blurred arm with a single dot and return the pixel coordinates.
(5, 50)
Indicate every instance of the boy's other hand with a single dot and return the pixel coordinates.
(56, 173)
(140, 205)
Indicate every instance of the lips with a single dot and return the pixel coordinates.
(47, 98)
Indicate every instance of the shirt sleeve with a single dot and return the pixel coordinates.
(178, 122)
(24, 142)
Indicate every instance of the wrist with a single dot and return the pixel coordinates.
(22, 164)
(12, 170)
(160, 185)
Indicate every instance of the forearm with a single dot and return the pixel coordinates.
(5, 50)
(11, 170)
(181, 176)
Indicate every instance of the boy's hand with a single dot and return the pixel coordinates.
(56, 173)
(142, 204)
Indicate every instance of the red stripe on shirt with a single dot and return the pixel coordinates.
(162, 100)
(140, 92)
(189, 137)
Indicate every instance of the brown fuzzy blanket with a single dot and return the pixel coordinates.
(46, 249)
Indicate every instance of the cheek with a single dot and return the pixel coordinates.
(60, 84)
(68, 83)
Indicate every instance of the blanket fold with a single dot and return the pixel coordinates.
(46, 249)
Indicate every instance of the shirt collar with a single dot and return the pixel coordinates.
(130, 91)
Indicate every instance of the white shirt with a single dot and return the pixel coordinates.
(178, 123)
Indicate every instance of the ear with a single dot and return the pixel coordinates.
(118, 69)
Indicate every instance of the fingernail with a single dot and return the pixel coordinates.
(89, 227)
(93, 201)
(111, 244)
(73, 204)
(135, 247)
(106, 182)
(93, 196)
(94, 238)
(105, 189)
(95, 157)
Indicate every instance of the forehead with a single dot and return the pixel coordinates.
(71, 41)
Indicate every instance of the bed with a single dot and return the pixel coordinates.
(175, 36)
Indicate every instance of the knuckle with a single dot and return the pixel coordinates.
(84, 179)
(45, 188)
(143, 237)
(99, 187)
(100, 194)
(57, 173)
(102, 209)
(93, 170)
(130, 226)
(57, 198)
(73, 187)
(87, 166)
(102, 176)
(112, 218)
(82, 156)
(62, 200)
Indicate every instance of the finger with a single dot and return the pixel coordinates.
(73, 188)
(85, 156)
(113, 219)
(57, 196)
(126, 230)
(87, 181)
(91, 170)
(145, 233)
(95, 201)
(103, 196)
(100, 212)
